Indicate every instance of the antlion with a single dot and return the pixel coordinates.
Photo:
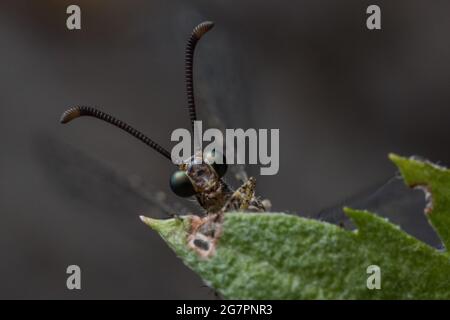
(194, 177)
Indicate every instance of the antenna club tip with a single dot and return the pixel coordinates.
(203, 28)
(69, 115)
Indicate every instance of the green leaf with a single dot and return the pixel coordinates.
(280, 256)
(435, 180)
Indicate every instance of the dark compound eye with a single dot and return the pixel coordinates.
(217, 160)
(181, 185)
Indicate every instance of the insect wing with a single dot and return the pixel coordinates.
(393, 200)
(100, 183)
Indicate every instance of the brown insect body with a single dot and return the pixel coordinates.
(214, 194)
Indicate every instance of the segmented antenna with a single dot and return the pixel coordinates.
(197, 33)
(76, 112)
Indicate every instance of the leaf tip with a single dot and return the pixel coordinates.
(158, 225)
(395, 158)
(361, 218)
(351, 213)
(152, 223)
(165, 227)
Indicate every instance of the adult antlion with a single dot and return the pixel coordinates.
(194, 177)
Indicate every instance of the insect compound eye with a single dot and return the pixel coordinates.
(181, 185)
(217, 160)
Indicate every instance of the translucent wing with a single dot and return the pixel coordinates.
(99, 182)
(216, 119)
(375, 198)
(393, 200)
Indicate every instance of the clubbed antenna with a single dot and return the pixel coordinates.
(197, 33)
(76, 112)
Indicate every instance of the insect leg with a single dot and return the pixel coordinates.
(244, 199)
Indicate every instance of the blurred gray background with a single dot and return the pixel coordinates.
(342, 96)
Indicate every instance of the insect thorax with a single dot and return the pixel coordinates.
(212, 192)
